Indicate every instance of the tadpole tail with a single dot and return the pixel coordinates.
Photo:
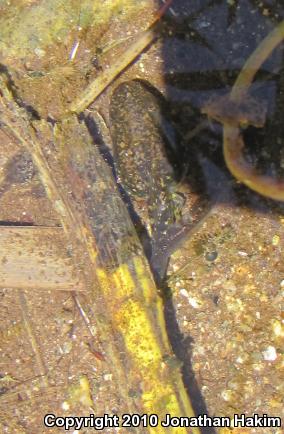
(164, 245)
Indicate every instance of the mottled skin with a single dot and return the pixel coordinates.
(145, 164)
(140, 152)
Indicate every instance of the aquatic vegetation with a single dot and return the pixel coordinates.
(233, 143)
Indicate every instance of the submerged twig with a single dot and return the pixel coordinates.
(121, 292)
(254, 62)
(32, 339)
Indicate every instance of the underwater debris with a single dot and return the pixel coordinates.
(233, 142)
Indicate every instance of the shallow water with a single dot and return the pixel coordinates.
(225, 282)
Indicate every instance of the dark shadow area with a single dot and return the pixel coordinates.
(182, 348)
(205, 45)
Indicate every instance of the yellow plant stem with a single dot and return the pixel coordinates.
(121, 296)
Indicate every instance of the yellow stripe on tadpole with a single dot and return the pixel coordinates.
(136, 313)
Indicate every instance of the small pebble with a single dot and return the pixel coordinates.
(39, 52)
(277, 328)
(269, 354)
(183, 292)
(194, 302)
(227, 395)
(243, 254)
(108, 377)
(65, 405)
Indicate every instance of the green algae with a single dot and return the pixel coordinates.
(27, 29)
